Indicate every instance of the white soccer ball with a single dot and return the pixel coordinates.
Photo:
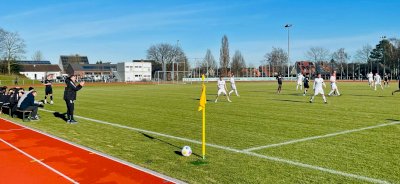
(186, 151)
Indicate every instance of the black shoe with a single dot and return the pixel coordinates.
(72, 121)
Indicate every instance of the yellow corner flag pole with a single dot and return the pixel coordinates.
(202, 107)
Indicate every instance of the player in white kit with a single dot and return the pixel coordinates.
(221, 89)
(300, 79)
(318, 83)
(233, 85)
(370, 77)
(333, 84)
(378, 80)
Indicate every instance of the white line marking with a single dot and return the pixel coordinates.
(321, 136)
(91, 151)
(276, 159)
(38, 161)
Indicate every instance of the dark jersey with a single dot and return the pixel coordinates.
(279, 78)
(386, 77)
(306, 80)
(48, 87)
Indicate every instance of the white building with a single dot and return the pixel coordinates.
(40, 71)
(137, 70)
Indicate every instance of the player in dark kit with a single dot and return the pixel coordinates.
(279, 78)
(49, 89)
(306, 86)
(70, 96)
(386, 80)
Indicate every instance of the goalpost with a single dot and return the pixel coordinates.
(171, 77)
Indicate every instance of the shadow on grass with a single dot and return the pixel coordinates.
(392, 119)
(62, 116)
(368, 95)
(165, 142)
(297, 101)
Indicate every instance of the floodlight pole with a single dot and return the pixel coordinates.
(288, 43)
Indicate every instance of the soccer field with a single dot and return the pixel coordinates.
(260, 137)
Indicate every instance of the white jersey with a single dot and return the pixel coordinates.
(300, 78)
(221, 84)
(377, 79)
(232, 80)
(370, 76)
(333, 79)
(318, 82)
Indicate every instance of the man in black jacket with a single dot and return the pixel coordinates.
(28, 103)
(70, 96)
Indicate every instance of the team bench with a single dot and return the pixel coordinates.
(26, 114)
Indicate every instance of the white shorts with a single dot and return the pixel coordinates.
(333, 86)
(318, 91)
(233, 86)
(370, 80)
(299, 83)
(221, 91)
(376, 83)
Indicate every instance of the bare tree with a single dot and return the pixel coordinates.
(12, 47)
(165, 53)
(238, 63)
(341, 57)
(224, 55)
(209, 62)
(37, 56)
(277, 58)
(318, 54)
(362, 56)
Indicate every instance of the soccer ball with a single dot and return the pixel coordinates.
(186, 151)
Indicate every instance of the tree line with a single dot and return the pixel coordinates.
(383, 58)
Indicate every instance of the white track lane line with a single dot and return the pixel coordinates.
(321, 136)
(276, 159)
(38, 161)
(167, 178)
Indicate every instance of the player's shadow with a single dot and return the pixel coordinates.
(392, 119)
(165, 142)
(293, 94)
(198, 99)
(367, 95)
(285, 100)
(62, 116)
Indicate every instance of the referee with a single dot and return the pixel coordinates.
(70, 96)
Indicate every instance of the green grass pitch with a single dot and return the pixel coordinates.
(259, 117)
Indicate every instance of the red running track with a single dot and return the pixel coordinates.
(28, 156)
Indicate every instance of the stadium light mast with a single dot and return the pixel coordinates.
(288, 44)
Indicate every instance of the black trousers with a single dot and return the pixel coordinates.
(34, 110)
(70, 109)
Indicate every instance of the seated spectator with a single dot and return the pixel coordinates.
(16, 95)
(28, 104)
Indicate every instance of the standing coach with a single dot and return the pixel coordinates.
(70, 96)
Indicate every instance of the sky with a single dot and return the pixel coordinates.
(123, 30)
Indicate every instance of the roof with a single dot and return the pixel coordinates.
(40, 68)
(143, 60)
(92, 67)
(26, 62)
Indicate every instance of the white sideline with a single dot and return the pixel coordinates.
(321, 136)
(276, 159)
(38, 161)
